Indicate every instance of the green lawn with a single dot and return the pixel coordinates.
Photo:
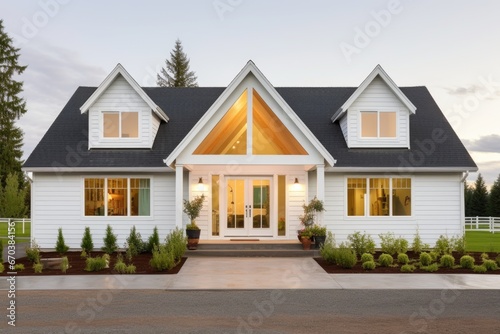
(19, 230)
(482, 242)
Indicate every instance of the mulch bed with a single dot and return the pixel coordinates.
(77, 265)
(358, 269)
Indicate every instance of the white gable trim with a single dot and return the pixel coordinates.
(120, 70)
(250, 67)
(378, 70)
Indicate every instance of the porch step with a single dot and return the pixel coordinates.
(251, 249)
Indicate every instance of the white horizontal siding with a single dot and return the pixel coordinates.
(155, 125)
(436, 210)
(344, 128)
(58, 202)
(120, 96)
(376, 97)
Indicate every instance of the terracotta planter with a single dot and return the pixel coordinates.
(306, 243)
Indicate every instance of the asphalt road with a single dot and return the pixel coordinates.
(257, 311)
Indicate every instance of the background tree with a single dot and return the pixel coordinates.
(479, 200)
(468, 191)
(12, 107)
(12, 199)
(494, 199)
(177, 73)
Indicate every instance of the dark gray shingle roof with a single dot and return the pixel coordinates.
(66, 143)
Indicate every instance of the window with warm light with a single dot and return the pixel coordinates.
(378, 124)
(123, 124)
(117, 197)
(379, 197)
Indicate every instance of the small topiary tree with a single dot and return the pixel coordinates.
(87, 243)
(109, 239)
(447, 261)
(135, 243)
(385, 260)
(366, 257)
(154, 239)
(425, 259)
(403, 258)
(467, 262)
(61, 246)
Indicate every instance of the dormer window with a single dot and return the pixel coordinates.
(123, 124)
(378, 124)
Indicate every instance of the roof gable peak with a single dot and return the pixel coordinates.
(378, 71)
(119, 70)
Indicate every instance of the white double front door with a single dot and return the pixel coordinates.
(247, 207)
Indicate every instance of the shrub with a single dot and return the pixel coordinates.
(345, 256)
(430, 268)
(366, 257)
(444, 245)
(459, 244)
(467, 262)
(130, 269)
(162, 259)
(327, 251)
(480, 269)
(87, 244)
(434, 256)
(361, 243)
(417, 245)
(64, 264)
(33, 253)
(120, 267)
(83, 254)
(38, 267)
(447, 261)
(407, 268)
(385, 260)
(490, 265)
(19, 267)
(61, 246)
(403, 258)
(176, 243)
(2, 268)
(425, 259)
(485, 256)
(154, 239)
(134, 241)
(109, 241)
(392, 245)
(95, 263)
(369, 265)
(498, 260)
(1, 251)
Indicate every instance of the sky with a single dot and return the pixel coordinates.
(451, 47)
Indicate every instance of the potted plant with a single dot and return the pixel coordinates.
(305, 238)
(192, 210)
(319, 234)
(314, 207)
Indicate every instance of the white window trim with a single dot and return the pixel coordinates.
(128, 216)
(367, 216)
(378, 110)
(119, 138)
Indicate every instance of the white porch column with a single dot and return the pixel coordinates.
(320, 182)
(179, 191)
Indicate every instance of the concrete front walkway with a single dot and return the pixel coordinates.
(255, 273)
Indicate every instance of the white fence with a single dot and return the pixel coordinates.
(490, 224)
(23, 225)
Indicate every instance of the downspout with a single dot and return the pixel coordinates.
(462, 200)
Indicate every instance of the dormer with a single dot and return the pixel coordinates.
(377, 114)
(121, 114)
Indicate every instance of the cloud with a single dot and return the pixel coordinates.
(489, 143)
(478, 90)
(52, 76)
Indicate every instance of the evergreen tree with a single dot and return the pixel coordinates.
(479, 200)
(12, 107)
(61, 246)
(87, 243)
(12, 198)
(468, 191)
(110, 245)
(177, 73)
(494, 199)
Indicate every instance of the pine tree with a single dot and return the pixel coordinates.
(468, 191)
(177, 73)
(110, 245)
(12, 198)
(61, 246)
(494, 200)
(87, 243)
(479, 200)
(12, 107)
